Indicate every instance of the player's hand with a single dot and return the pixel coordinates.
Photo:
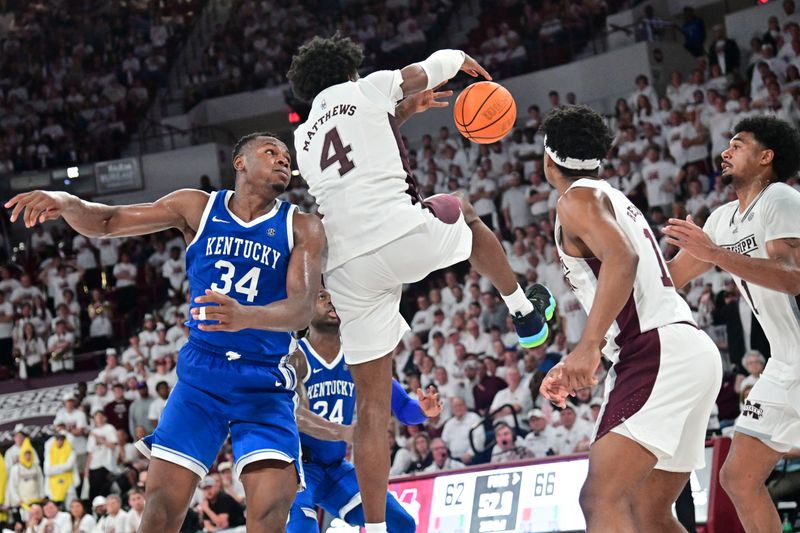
(473, 68)
(579, 368)
(422, 101)
(227, 313)
(553, 389)
(38, 206)
(429, 402)
(687, 235)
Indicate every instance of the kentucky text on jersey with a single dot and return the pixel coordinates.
(343, 109)
(233, 246)
(248, 261)
(327, 388)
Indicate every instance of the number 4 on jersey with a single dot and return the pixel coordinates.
(340, 151)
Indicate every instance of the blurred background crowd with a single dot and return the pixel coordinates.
(107, 315)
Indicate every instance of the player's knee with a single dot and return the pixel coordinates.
(733, 482)
(586, 499)
(159, 514)
(591, 499)
(371, 414)
(271, 511)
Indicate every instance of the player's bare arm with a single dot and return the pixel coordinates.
(438, 68)
(302, 285)
(684, 267)
(779, 272)
(181, 209)
(420, 102)
(590, 229)
(309, 422)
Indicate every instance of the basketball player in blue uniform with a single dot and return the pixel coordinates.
(253, 264)
(328, 392)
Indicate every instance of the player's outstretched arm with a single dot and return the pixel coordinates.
(780, 272)
(587, 217)
(181, 209)
(440, 66)
(303, 280)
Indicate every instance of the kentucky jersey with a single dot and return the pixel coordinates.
(772, 215)
(351, 155)
(247, 261)
(654, 302)
(331, 395)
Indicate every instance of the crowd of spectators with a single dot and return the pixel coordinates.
(72, 294)
(77, 76)
(254, 49)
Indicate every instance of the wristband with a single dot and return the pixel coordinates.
(441, 66)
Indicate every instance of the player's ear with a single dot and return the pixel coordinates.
(767, 157)
(238, 162)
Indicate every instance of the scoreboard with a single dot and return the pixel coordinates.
(528, 498)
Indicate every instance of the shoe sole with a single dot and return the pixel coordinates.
(535, 340)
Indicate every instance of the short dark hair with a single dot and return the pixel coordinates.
(780, 137)
(242, 142)
(321, 63)
(577, 131)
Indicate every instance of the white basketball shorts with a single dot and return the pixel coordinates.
(366, 290)
(661, 392)
(772, 410)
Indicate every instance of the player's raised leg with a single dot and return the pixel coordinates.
(170, 488)
(617, 467)
(532, 311)
(270, 487)
(652, 511)
(743, 476)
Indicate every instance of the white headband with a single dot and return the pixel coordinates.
(570, 162)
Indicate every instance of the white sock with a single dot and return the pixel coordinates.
(517, 302)
(376, 528)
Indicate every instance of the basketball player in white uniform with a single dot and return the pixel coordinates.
(666, 372)
(757, 240)
(381, 232)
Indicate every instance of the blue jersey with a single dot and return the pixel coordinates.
(331, 395)
(247, 261)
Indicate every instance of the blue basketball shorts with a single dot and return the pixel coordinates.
(253, 401)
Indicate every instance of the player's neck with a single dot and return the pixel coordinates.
(327, 345)
(250, 202)
(747, 192)
(563, 183)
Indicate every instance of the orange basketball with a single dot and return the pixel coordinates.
(485, 112)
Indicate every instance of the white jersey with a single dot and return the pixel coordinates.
(351, 155)
(771, 215)
(654, 302)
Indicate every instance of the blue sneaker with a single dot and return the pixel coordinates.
(532, 328)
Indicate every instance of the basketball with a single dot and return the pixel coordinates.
(485, 112)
